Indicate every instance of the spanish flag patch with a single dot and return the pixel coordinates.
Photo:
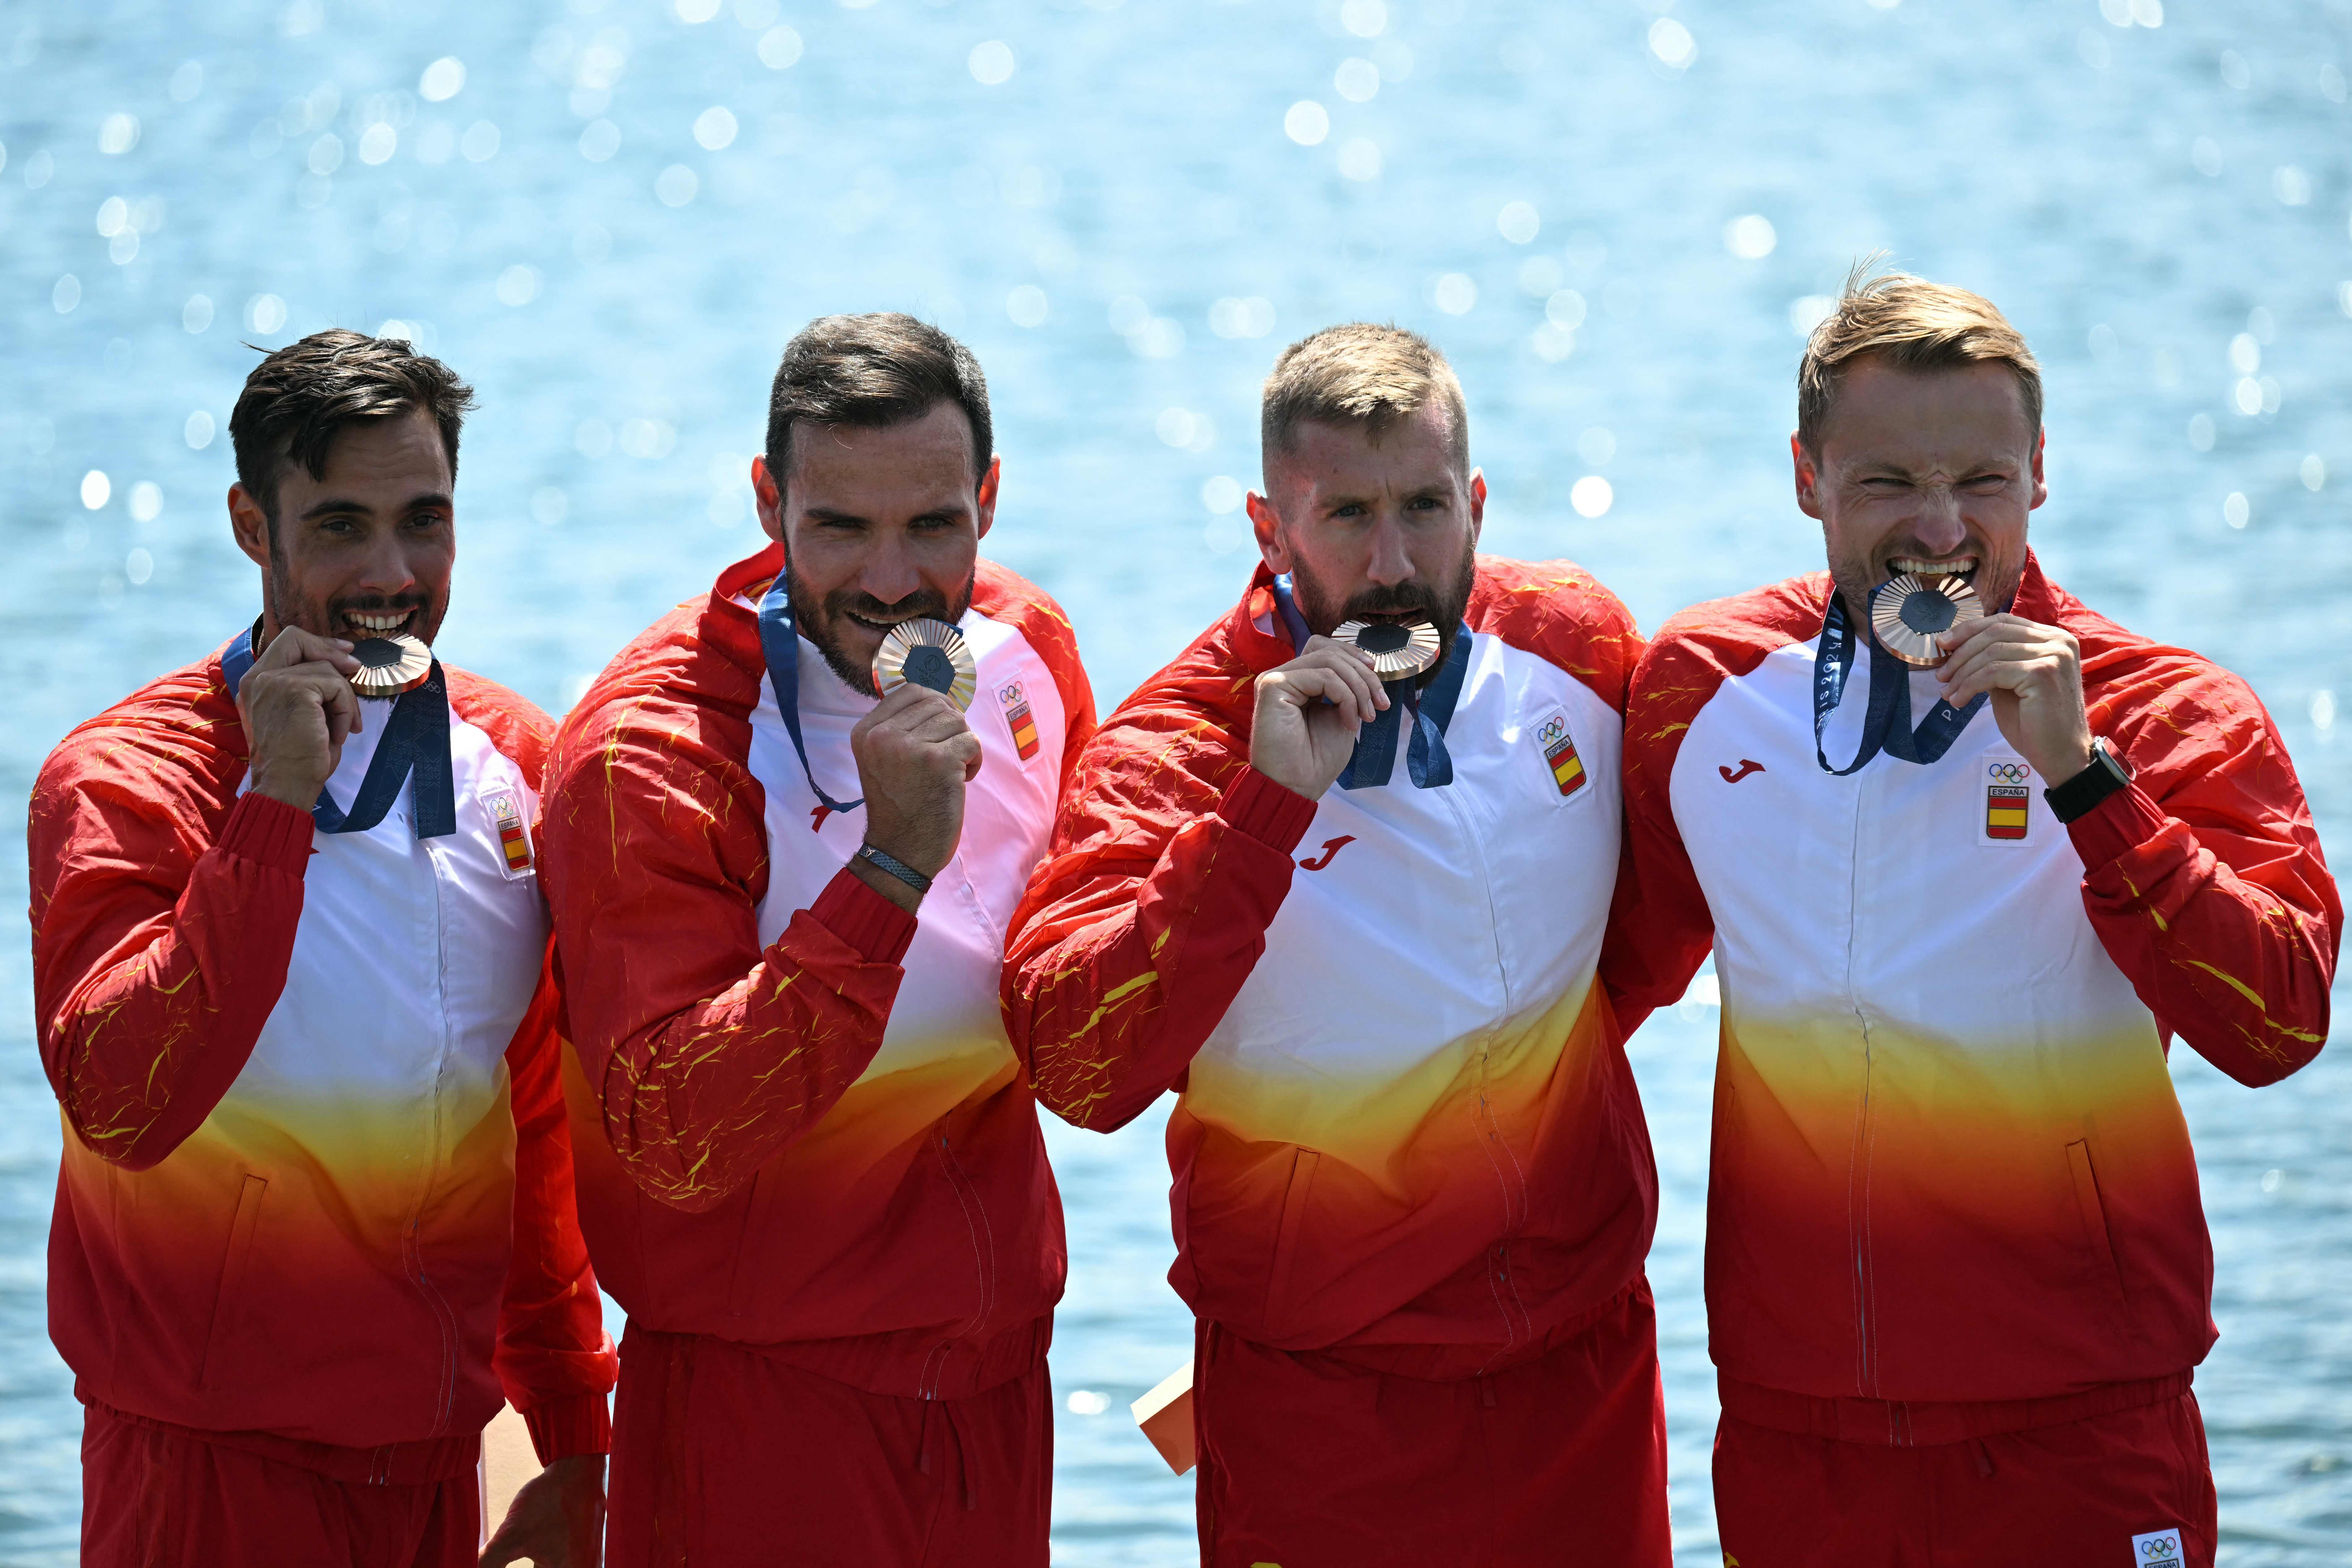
(2005, 795)
(1559, 748)
(1018, 719)
(514, 833)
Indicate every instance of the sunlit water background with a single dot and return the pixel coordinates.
(1615, 217)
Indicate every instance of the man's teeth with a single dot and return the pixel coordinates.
(1917, 568)
(377, 622)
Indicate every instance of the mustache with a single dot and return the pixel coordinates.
(1404, 598)
(923, 602)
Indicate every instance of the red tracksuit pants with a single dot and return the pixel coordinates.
(1310, 1462)
(161, 1496)
(723, 1456)
(2106, 1490)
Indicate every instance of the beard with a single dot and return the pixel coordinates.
(1441, 604)
(325, 617)
(819, 618)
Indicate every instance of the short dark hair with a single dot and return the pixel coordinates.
(872, 370)
(1358, 374)
(298, 400)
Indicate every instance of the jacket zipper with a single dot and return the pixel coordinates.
(1509, 1175)
(984, 1252)
(1858, 1240)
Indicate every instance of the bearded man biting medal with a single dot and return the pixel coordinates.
(809, 1163)
(1958, 1272)
(316, 1214)
(1413, 1189)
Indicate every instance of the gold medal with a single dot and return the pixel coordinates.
(1397, 648)
(930, 654)
(1915, 618)
(390, 666)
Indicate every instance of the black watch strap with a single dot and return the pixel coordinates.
(895, 867)
(2079, 796)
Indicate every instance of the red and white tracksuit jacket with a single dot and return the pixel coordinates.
(779, 1143)
(318, 1191)
(1407, 1130)
(1949, 1166)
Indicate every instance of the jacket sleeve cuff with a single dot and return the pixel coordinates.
(878, 929)
(568, 1428)
(2112, 829)
(1274, 815)
(268, 833)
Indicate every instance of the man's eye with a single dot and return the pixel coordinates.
(1984, 484)
(1886, 485)
(1425, 503)
(1350, 510)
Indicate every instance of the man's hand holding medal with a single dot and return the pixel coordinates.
(299, 707)
(915, 754)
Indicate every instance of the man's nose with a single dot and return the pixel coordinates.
(1939, 525)
(889, 574)
(1389, 563)
(386, 572)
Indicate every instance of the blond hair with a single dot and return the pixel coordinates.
(1911, 324)
(1358, 374)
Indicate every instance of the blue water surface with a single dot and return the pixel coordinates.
(1616, 216)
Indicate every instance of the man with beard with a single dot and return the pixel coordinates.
(1958, 1271)
(1413, 1189)
(315, 1213)
(821, 1195)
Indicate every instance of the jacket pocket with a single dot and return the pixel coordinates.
(229, 1300)
(2096, 1238)
(1278, 1284)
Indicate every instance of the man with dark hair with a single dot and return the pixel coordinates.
(1957, 1274)
(822, 1195)
(1413, 1189)
(315, 1217)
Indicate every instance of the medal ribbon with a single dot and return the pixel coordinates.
(1426, 761)
(780, 646)
(1886, 722)
(415, 750)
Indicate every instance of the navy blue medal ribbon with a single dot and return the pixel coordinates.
(1886, 722)
(413, 750)
(1373, 761)
(779, 646)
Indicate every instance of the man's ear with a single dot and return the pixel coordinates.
(986, 502)
(768, 499)
(1478, 504)
(2040, 483)
(250, 524)
(1808, 477)
(1267, 523)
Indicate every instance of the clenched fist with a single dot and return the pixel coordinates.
(1308, 712)
(915, 754)
(298, 706)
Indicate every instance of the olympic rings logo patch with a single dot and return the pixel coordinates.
(2007, 772)
(1553, 729)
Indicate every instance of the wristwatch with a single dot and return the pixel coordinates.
(894, 867)
(2078, 796)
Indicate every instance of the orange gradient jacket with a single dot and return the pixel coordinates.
(780, 1143)
(317, 1187)
(1406, 1131)
(1948, 1164)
